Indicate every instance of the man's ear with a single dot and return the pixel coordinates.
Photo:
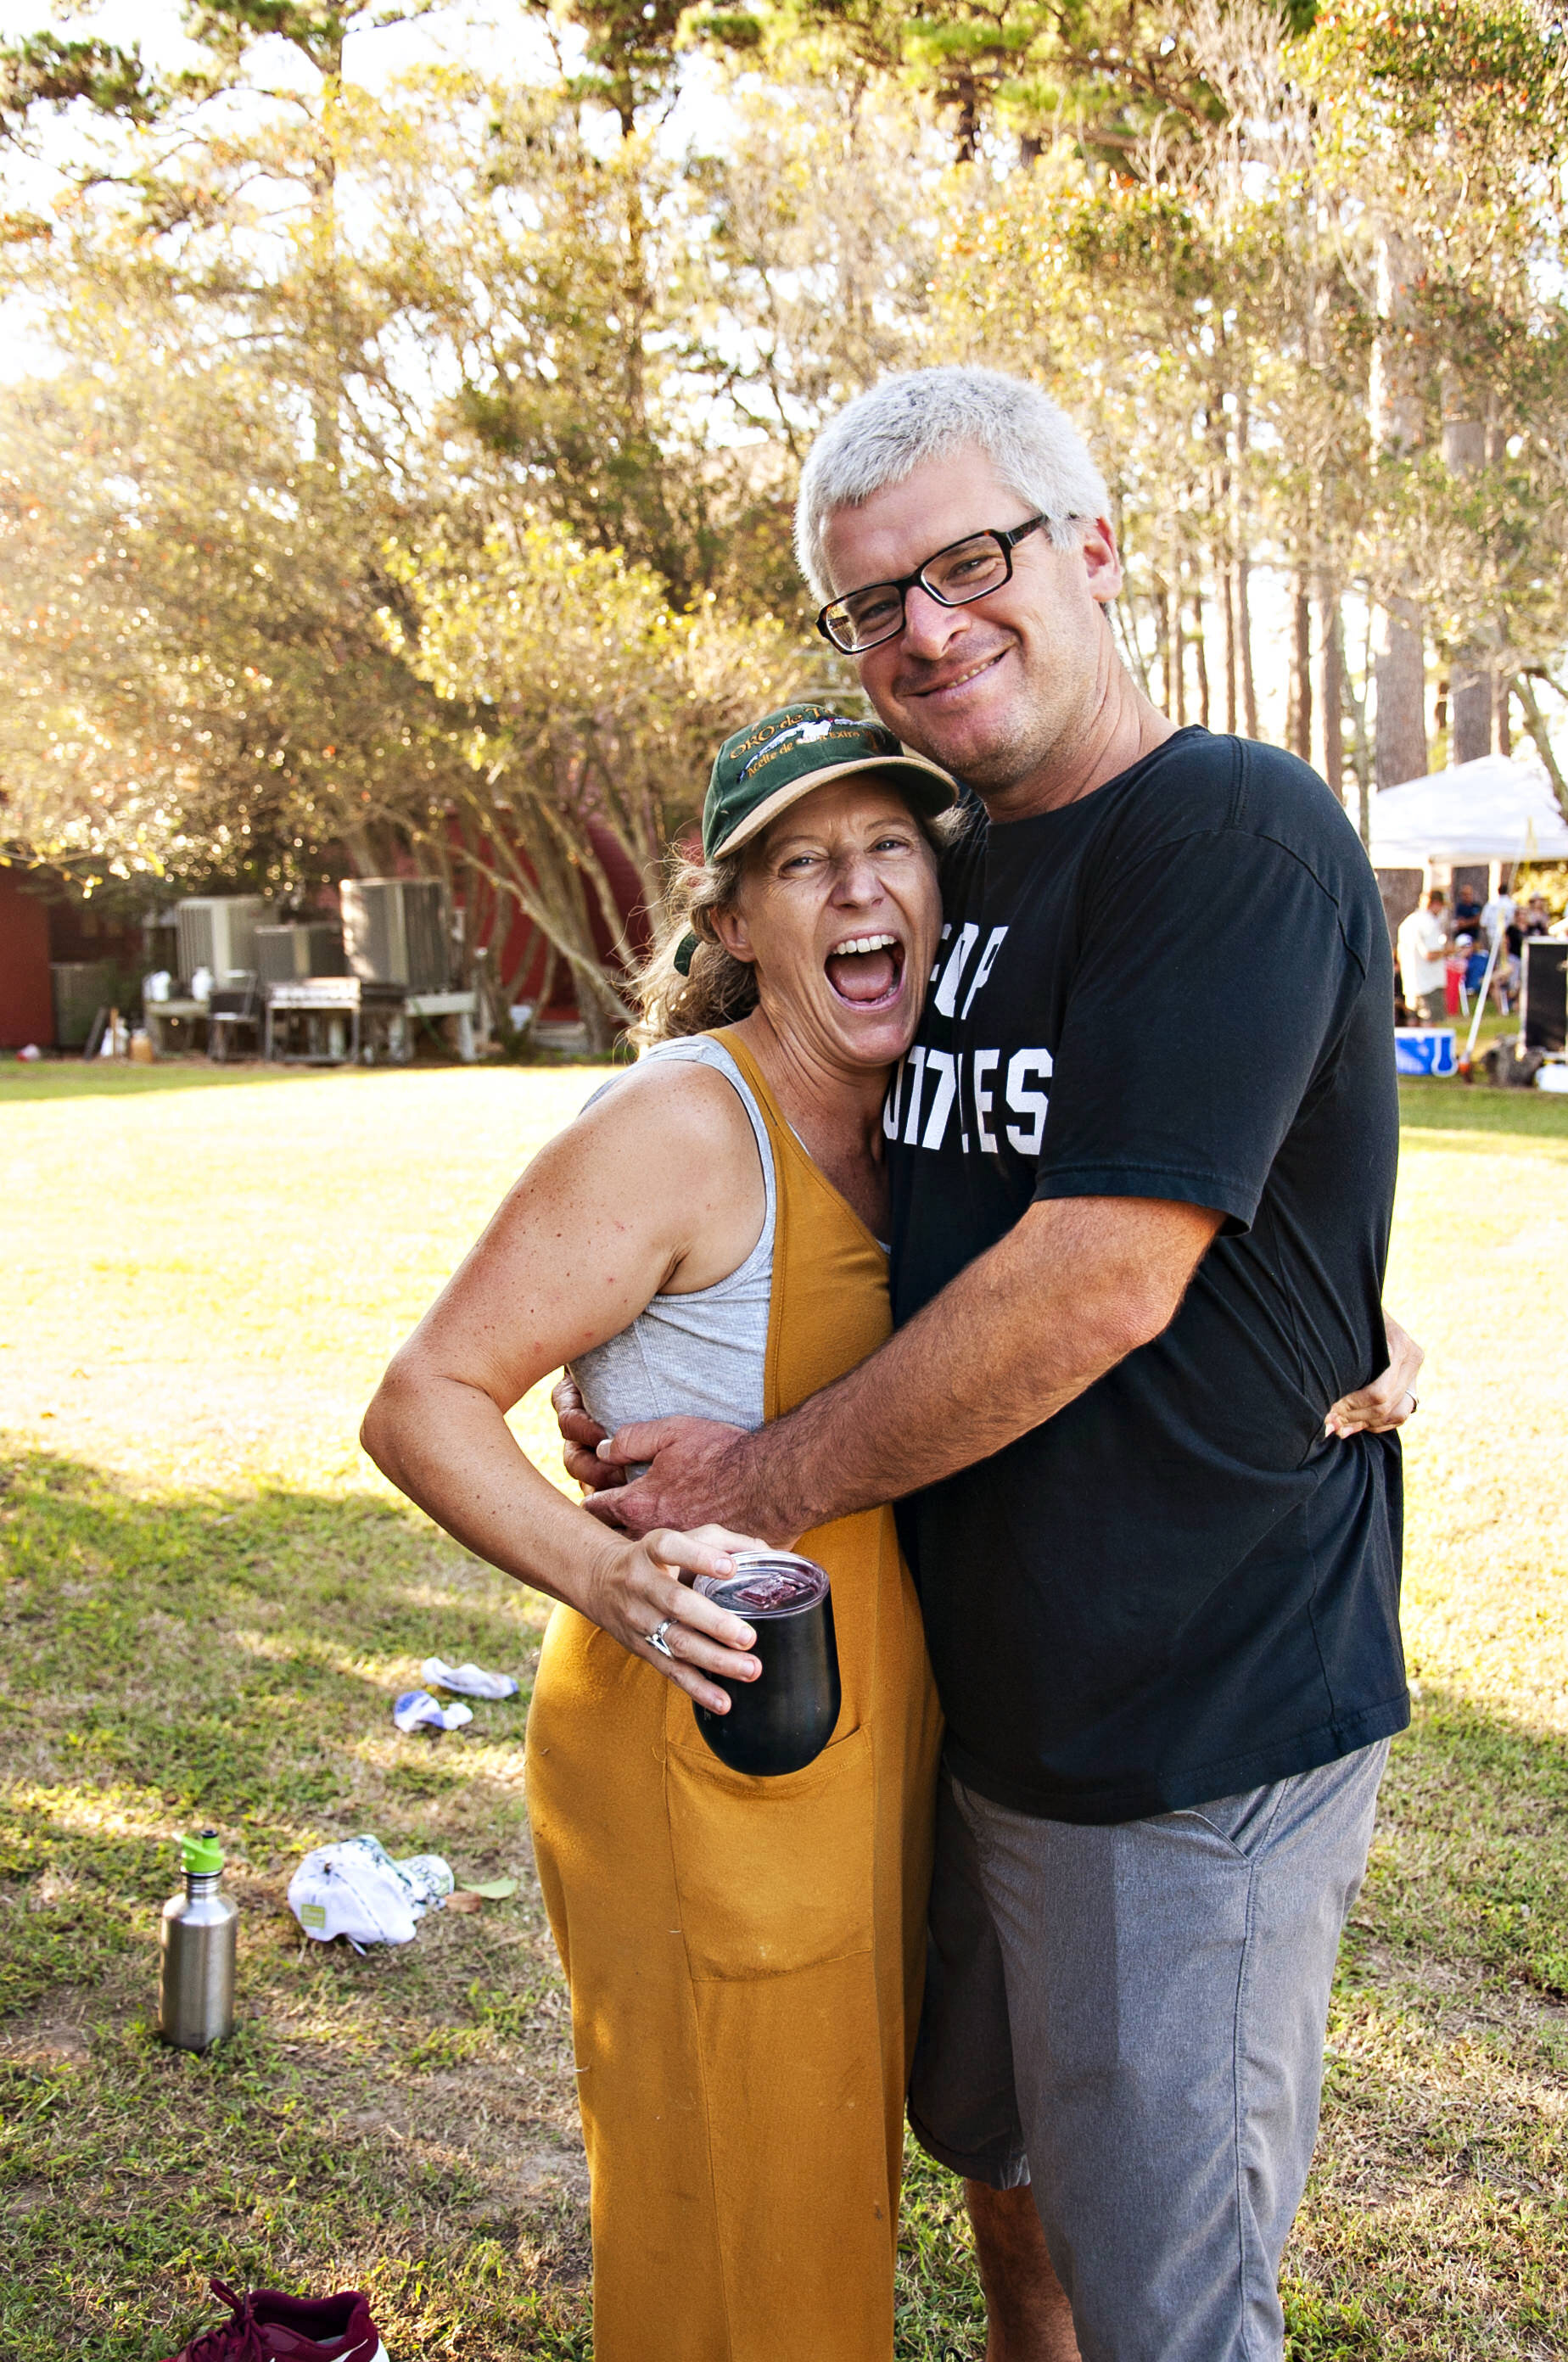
(734, 936)
(1102, 561)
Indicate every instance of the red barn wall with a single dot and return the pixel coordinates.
(500, 926)
(26, 1007)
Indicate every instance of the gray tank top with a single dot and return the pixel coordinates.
(700, 1356)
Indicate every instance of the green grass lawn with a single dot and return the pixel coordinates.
(210, 1600)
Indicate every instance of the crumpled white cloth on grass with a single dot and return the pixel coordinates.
(469, 1681)
(354, 1889)
(415, 1707)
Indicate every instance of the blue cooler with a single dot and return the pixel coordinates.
(1423, 1050)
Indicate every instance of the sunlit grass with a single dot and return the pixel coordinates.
(210, 1599)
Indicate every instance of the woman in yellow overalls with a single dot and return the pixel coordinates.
(743, 1954)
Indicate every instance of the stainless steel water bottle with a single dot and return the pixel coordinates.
(198, 1939)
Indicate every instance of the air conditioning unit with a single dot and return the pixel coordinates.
(81, 987)
(217, 931)
(312, 947)
(394, 929)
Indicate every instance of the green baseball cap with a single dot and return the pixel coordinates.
(771, 764)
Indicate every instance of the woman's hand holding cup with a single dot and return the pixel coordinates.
(642, 1588)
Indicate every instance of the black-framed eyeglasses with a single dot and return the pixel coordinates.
(964, 571)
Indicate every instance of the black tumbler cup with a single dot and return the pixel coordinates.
(781, 1721)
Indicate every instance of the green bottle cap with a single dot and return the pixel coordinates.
(201, 1856)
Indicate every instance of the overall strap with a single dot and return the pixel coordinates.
(828, 1308)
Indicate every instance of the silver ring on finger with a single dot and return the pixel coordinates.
(656, 1640)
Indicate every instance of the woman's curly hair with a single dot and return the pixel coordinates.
(719, 988)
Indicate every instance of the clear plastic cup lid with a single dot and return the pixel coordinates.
(772, 1582)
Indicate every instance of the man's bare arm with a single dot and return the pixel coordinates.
(1076, 1285)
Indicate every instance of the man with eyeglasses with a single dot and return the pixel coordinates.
(1143, 1160)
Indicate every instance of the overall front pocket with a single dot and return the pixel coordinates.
(773, 1875)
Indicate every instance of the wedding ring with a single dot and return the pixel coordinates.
(656, 1640)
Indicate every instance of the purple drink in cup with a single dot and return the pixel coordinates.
(781, 1721)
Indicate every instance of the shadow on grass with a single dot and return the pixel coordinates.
(1471, 1862)
(404, 2121)
(231, 1659)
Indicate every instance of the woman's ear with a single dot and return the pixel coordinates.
(735, 934)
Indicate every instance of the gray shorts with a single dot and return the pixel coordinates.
(1133, 2018)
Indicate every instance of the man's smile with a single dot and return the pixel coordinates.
(952, 683)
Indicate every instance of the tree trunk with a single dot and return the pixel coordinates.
(1221, 507)
(1470, 683)
(1124, 628)
(1162, 645)
(1397, 422)
(1331, 682)
(1400, 745)
(1241, 542)
(1470, 698)
(1400, 741)
(1298, 727)
(967, 100)
(1199, 651)
(1244, 636)
(1361, 739)
(1178, 658)
(327, 396)
(1535, 723)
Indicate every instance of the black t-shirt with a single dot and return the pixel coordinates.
(1179, 987)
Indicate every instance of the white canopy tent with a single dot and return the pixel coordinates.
(1498, 807)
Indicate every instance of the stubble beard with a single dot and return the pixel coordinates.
(1030, 738)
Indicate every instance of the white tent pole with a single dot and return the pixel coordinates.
(1499, 936)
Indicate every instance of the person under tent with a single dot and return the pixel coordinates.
(1423, 949)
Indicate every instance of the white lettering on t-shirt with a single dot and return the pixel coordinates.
(947, 992)
(892, 1101)
(987, 961)
(983, 1063)
(939, 1063)
(916, 1069)
(1023, 1066)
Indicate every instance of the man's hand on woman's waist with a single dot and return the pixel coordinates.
(692, 1460)
(699, 1469)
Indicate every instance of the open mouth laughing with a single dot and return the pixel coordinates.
(867, 971)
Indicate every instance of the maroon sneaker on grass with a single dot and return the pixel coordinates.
(268, 2326)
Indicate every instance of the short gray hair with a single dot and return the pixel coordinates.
(885, 434)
